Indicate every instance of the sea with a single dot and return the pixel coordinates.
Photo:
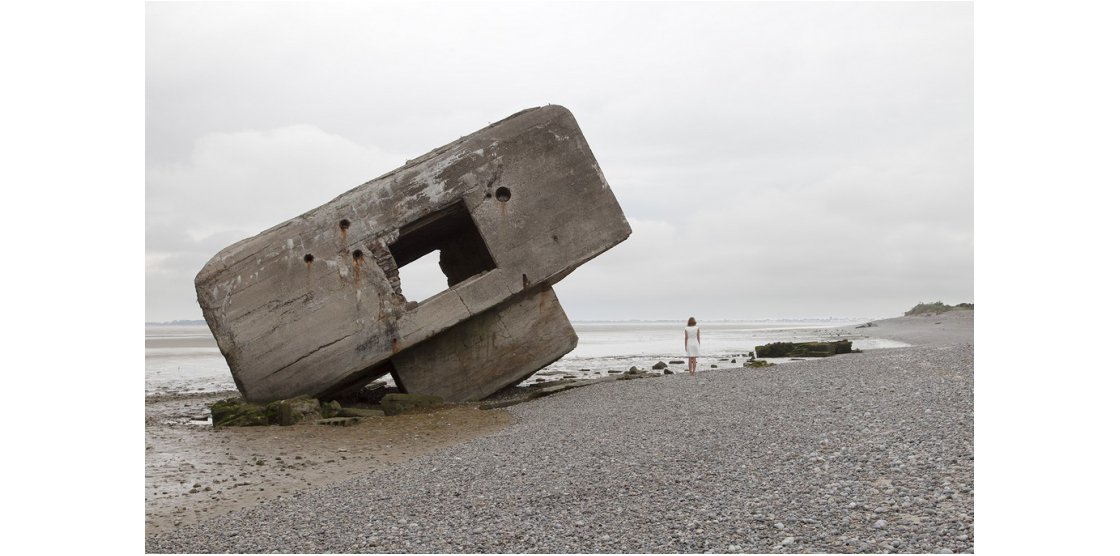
(184, 358)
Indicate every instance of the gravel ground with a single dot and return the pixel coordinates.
(868, 452)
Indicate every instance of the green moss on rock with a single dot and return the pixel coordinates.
(235, 412)
(804, 349)
(330, 409)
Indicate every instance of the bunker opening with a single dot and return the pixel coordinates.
(438, 251)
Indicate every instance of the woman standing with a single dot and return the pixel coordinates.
(692, 344)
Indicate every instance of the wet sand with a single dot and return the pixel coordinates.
(194, 472)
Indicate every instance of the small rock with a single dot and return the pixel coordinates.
(879, 524)
(787, 541)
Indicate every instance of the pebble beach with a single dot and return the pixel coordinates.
(862, 452)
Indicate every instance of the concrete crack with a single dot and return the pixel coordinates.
(309, 354)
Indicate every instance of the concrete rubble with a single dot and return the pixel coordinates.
(314, 306)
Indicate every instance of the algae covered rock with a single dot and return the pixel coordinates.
(235, 412)
(330, 409)
(804, 349)
(295, 410)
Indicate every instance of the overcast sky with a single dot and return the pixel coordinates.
(774, 160)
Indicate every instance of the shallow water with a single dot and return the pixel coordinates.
(185, 358)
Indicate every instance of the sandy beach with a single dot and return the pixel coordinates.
(865, 452)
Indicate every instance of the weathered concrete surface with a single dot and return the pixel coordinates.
(518, 339)
(313, 306)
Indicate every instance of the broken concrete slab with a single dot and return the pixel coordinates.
(314, 305)
(527, 334)
(395, 404)
(360, 412)
(372, 392)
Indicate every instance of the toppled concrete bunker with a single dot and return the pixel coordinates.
(313, 306)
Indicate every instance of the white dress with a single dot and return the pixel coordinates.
(692, 346)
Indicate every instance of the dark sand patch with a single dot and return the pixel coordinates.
(194, 472)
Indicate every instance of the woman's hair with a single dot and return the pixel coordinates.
(692, 321)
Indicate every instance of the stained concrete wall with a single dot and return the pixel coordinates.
(482, 355)
(314, 305)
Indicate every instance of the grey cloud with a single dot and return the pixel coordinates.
(776, 159)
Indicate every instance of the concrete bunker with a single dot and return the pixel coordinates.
(314, 305)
